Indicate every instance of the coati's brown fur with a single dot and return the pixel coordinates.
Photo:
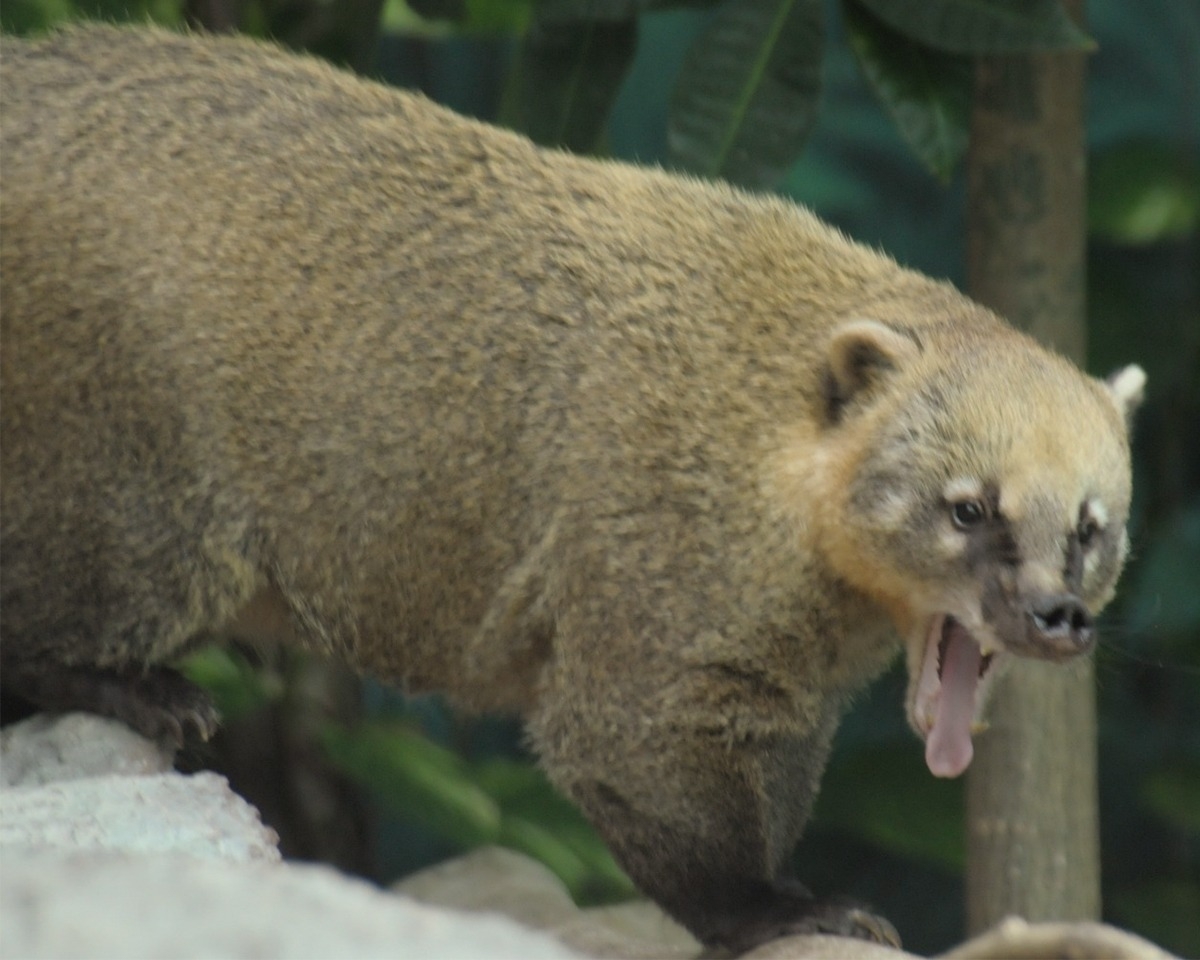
(668, 469)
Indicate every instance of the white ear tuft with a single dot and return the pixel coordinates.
(1127, 387)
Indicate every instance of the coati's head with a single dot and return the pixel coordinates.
(982, 487)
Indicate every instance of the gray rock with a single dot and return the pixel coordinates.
(107, 853)
(128, 906)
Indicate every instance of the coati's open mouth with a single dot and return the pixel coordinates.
(949, 695)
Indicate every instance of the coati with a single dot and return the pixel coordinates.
(669, 469)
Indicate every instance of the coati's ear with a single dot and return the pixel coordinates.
(860, 354)
(1127, 387)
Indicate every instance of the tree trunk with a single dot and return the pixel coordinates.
(1032, 819)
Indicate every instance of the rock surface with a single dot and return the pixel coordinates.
(108, 853)
(495, 879)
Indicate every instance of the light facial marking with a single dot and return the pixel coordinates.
(1095, 511)
(1095, 515)
(1040, 578)
(1093, 518)
(963, 488)
(893, 508)
(951, 542)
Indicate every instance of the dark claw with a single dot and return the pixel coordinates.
(157, 702)
(865, 925)
(841, 919)
(792, 911)
(162, 703)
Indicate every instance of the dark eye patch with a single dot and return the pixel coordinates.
(1087, 528)
(990, 535)
(1085, 537)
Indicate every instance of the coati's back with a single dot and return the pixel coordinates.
(268, 327)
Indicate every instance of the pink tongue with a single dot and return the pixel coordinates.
(948, 748)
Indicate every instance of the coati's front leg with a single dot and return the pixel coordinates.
(704, 823)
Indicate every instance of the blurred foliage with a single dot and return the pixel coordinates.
(462, 801)
(983, 26)
(922, 821)
(566, 79)
(684, 84)
(1173, 796)
(1143, 192)
(443, 18)
(33, 16)
(236, 686)
(925, 90)
(475, 803)
(1163, 596)
(746, 96)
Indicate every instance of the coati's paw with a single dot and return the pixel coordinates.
(157, 702)
(163, 705)
(844, 919)
(792, 911)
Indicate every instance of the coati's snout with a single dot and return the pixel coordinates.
(1053, 625)
(949, 690)
(953, 665)
(1057, 627)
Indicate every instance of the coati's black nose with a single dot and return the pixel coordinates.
(1060, 625)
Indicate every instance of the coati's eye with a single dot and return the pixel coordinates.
(967, 514)
(1086, 532)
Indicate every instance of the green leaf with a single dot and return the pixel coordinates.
(610, 9)
(494, 801)
(567, 78)
(1144, 192)
(747, 95)
(161, 12)
(236, 686)
(904, 810)
(439, 9)
(984, 26)
(534, 840)
(563, 838)
(926, 92)
(417, 778)
(602, 10)
(400, 19)
(24, 17)
(434, 19)
(1173, 794)
(502, 17)
(1167, 907)
(1163, 600)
